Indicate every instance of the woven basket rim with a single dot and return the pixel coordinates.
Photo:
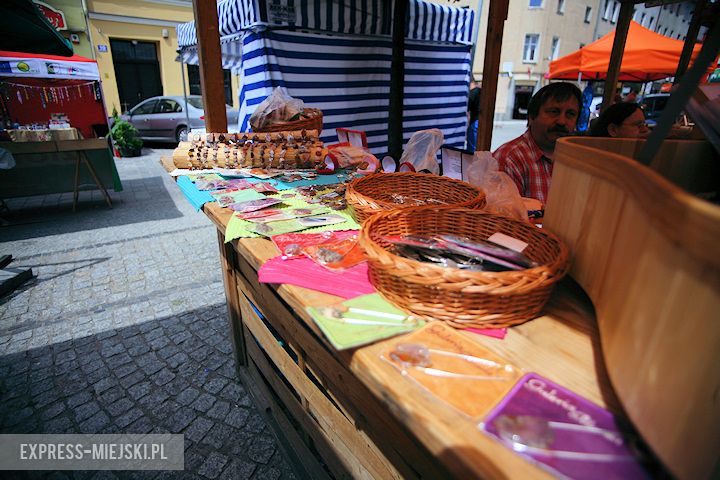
(560, 262)
(358, 182)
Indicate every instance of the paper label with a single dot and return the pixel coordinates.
(508, 241)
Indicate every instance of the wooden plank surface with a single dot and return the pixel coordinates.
(648, 255)
(562, 345)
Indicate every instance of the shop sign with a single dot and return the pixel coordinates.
(54, 16)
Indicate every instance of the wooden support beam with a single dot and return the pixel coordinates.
(491, 69)
(690, 40)
(211, 74)
(397, 80)
(621, 33)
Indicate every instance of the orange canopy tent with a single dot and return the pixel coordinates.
(647, 56)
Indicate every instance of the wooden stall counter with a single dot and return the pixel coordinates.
(59, 166)
(345, 414)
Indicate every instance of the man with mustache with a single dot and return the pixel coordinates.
(528, 159)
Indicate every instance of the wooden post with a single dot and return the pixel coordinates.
(621, 32)
(211, 74)
(690, 40)
(491, 69)
(397, 80)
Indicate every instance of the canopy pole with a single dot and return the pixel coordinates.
(187, 114)
(397, 80)
(211, 74)
(690, 40)
(621, 32)
(497, 15)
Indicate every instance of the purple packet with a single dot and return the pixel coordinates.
(563, 432)
(489, 248)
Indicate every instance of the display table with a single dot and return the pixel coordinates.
(59, 166)
(347, 411)
(46, 135)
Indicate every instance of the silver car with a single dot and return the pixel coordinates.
(166, 118)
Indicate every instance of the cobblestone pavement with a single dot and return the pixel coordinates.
(124, 329)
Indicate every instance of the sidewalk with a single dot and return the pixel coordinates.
(124, 329)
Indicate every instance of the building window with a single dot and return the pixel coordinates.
(588, 14)
(650, 23)
(555, 48)
(616, 12)
(531, 47)
(535, 3)
(672, 33)
(642, 19)
(561, 7)
(635, 15)
(607, 13)
(665, 31)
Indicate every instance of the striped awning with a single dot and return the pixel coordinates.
(425, 21)
(343, 67)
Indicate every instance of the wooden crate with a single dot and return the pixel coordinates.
(647, 252)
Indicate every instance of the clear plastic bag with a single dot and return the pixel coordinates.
(501, 193)
(279, 106)
(421, 150)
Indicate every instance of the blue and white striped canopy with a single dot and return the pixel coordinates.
(343, 67)
(425, 21)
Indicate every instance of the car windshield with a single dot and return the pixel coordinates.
(195, 102)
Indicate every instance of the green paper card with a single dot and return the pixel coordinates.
(228, 197)
(346, 335)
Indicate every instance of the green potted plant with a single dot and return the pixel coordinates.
(126, 137)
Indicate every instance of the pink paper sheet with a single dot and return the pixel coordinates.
(490, 332)
(303, 272)
(351, 283)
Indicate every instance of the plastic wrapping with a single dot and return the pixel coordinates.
(501, 192)
(421, 150)
(279, 106)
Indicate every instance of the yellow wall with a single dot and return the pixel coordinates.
(101, 31)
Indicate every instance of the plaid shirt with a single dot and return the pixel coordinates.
(523, 160)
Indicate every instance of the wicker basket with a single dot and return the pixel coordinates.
(313, 122)
(374, 193)
(462, 298)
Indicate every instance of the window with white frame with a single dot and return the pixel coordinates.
(588, 14)
(555, 48)
(530, 50)
(642, 19)
(561, 7)
(535, 3)
(616, 12)
(607, 13)
(651, 22)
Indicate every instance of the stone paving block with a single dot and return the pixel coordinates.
(219, 410)
(237, 417)
(86, 410)
(213, 465)
(140, 390)
(218, 436)
(188, 395)
(198, 428)
(127, 418)
(214, 385)
(77, 345)
(120, 406)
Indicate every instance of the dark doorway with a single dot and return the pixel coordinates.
(523, 93)
(137, 71)
(196, 89)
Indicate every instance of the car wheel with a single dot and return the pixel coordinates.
(181, 133)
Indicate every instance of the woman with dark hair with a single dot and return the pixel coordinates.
(622, 120)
